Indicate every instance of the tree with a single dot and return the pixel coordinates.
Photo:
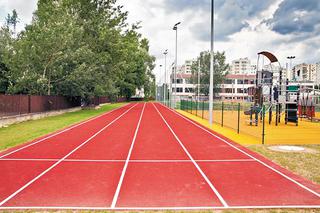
(12, 20)
(80, 48)
(5, 41)
(220, 71)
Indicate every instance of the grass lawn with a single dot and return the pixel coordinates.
(23, 132)
(304, 164)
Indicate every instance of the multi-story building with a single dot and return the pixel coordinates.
(235, 87)
(186, 68)
(318, 73)
(304, 72)
(242, 66)
(183, 87)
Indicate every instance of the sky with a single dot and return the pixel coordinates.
(242, 27)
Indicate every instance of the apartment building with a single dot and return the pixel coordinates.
(242, 66)
(235, 87)
(304, 72)
(318, 73)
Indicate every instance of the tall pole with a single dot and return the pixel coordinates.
(165, 90)
(175, 27)
(211, 66)
(175, 71)
(199, 70)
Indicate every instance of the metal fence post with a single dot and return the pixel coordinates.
(202, 109)
(222, 112)
(239, 106)
(263, 124)
(196, 108)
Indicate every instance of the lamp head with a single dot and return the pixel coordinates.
(175, 27)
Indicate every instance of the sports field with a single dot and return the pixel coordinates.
(145, 156)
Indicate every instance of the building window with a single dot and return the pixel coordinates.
(228, 81)
(242, 90)
(179, 90)
(179, 81)
(229, 90)
(189, 90)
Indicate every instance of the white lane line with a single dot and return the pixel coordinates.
(116, 195)
(160, 208)
(59, 132)
(62, 159)
(247, 154)
(133, 161)
(193, 161)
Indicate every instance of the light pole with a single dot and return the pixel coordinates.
(160, 84)
(211, 66)
(165, 76)
(175, 28)
(291, 58)
(199, 72)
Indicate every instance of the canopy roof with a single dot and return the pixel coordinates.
(269, 55)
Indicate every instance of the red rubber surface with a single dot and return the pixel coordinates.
(152, 169)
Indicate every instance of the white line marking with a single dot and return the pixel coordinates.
(130, 161)
(194, 162)
(161, 208)
(116, 195)
(59, 132)
(62, 159)
(261, 162)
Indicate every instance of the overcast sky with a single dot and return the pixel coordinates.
(243, 27)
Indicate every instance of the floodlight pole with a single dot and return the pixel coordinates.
(211, 66)
(175, 28)
(199, 70)
(165, 76)
(160, 83)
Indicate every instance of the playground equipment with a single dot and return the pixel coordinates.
(307, 104)
(272, 92)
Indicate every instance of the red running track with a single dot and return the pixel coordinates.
(145, 156)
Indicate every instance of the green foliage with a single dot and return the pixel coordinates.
(79, 48)
(220, 71)
(5, 40)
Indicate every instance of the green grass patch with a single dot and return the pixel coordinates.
(23, 132)
(301, 163)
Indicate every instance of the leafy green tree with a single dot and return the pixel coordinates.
(12, 20)
(5, 43)
(220, 71)
(80, 48)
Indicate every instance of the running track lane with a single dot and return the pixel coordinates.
(155, 168)
(247, 183)
(160, 173)
(16, 182)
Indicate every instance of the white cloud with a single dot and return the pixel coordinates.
(246, 42)
(158, 18)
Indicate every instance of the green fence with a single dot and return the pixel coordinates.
(240, 117)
